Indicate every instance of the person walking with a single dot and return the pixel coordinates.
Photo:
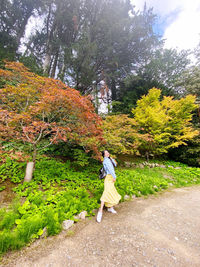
(110, 196)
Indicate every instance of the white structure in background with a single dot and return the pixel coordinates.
(102, 94)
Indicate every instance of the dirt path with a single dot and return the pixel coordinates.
(159, 231)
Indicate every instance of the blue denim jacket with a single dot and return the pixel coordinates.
(108, 166)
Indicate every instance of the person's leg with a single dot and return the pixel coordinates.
(112, 210)
(99, 214)
(101, 207)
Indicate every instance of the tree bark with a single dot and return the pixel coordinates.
(96, 98)
(62, 72)
(47, 61)
(30, 167)
(53, 72)
(29, 171)
(113, 90)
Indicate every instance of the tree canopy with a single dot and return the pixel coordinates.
(35, 109)
(168, 121)
(80, 42)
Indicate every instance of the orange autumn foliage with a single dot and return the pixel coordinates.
(34, 108)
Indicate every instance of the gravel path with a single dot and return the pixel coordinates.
(158, 231)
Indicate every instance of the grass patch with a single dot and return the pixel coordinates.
(58, 192)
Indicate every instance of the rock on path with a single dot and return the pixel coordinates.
(158, 231)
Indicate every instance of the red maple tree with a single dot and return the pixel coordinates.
(35, 108)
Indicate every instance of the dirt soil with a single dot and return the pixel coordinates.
(158, 231)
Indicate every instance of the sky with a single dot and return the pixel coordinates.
(178, 21)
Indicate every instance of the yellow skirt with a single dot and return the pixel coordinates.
(110, 195)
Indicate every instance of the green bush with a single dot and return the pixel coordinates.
(80, 158)
(7, 219)
(140, 181)
(13, 170)
(51, 219)
(189, 154)
(58, 192)
(28, 226)
(22, 234)
(8, 240)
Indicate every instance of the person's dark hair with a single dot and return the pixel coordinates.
(102, 153)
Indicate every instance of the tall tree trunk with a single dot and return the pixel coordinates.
(113, 90)
(96, 98)
(50, 32)
(55, 62)
(47, 61)
(62, 72)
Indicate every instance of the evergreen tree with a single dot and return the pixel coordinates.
(14, 16)
(162, 70)
(82, 39)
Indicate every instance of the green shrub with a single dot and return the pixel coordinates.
(21, 235)
(80, 157)
(8, 240)
(13, 170)
(51, 221)
(58, 192)
(29, 226)
(7, 219)
(189, 154)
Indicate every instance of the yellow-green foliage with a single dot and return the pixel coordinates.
(122, 135)
(168, 121)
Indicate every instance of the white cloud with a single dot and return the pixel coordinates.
(182, 19)
(184, 32)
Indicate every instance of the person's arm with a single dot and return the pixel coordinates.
(108, 166)
(114, 161)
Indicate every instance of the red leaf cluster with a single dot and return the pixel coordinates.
(34, 108)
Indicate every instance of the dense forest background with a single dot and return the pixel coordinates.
(102, 48)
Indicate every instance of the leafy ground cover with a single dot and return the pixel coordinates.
(58, 192)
